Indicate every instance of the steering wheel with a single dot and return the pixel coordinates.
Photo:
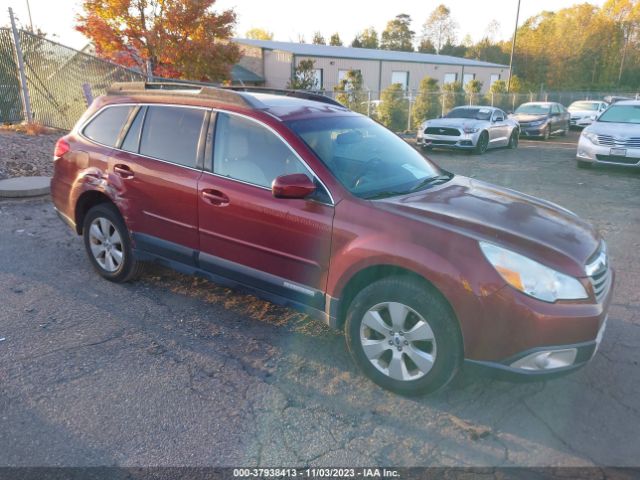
(362, 171)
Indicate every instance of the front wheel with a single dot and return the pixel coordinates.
(403, 336)
(546, 133)
(106, 240)
(483, 144)
(513, 140)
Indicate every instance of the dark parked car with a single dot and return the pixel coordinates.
(542, 119)
(323, 209)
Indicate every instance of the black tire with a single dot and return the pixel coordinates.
(128, 268)
(514, 139)
(423, 301)
(583, 164)
(546, 133)
(483, 144)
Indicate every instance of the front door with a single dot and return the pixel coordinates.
(157, 168)
(280, 246)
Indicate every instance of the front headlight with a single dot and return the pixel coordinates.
(471, 130)
(531, 277)
(592, 137)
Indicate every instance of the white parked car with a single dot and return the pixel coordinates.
(470, 128)
(613, 138)
(584, 112)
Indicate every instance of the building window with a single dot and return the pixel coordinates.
(494, 78)
(450, 77)
(317, 73)
(400, 77)
(467, 77)
(342, 74)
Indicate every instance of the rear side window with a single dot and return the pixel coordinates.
(172, 134)
(106, 126)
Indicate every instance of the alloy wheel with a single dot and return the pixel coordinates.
(106, 244)
(398, 341)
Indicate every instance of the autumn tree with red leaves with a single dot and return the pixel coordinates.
(176, 38)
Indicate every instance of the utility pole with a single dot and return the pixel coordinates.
(30, 19)
(513, 48)
(26, 101)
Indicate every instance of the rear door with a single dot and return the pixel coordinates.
(278, 245)
(157, 167)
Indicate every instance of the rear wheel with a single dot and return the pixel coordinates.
(403, 336)
(106, 240)
(483, 144)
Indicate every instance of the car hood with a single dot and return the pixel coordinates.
(526, 117)
(534, 227)
(582, 113)
(456, 123)
(615, 129)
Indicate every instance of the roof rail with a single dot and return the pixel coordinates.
(316, 97)
(183, 89)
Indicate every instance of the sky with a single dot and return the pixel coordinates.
(288, 19)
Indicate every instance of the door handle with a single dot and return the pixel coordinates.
(215, 197)
(123, 171)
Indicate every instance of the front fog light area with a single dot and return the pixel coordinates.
(547, 360)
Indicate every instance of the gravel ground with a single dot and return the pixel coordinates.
(173, 370)
(26, 155)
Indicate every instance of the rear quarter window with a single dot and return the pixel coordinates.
(107, 125)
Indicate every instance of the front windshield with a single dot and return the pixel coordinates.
(593, 106)
(533, 109)
(621, 114)
(473, 113)
(369, 160)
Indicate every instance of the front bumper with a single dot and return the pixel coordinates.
(466, 141)
(542, 362)
(537, 131)
(580, 122)
(607, 155)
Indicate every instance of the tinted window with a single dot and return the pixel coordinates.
(106, 126)
(246, 151)
(132, 139)
(172, 134)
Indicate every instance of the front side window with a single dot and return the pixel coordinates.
(369, 160)
(106, 126)
(172, 134)
(247, 151)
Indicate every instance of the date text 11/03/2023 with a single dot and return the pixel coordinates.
(315, 473)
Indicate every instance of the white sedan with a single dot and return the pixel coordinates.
(584, 112)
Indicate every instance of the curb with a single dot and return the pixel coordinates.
(21, 187)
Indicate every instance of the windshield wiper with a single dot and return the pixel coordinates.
(428, 182)
(385, 194)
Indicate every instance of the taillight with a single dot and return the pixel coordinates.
(62, 147)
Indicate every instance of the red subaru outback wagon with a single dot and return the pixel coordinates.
(322, 209)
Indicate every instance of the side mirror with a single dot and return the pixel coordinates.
(296, 185)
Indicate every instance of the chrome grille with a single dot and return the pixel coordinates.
(599, 273)
(449, 132)
(610, 141)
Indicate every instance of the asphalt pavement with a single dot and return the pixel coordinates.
(172, 370)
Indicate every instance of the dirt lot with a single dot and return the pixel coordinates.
(172, 370)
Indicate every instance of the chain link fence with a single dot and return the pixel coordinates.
(56, 77)
(436, 104)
